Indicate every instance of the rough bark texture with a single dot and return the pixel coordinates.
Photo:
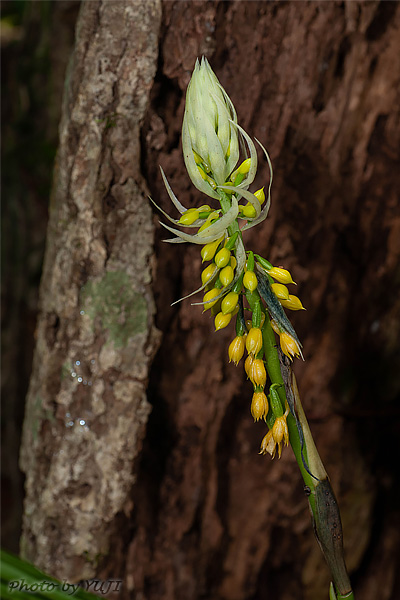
(34, 57)
(86, 407)
(318, 84)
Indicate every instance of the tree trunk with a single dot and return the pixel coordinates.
(34, 55)
(86, 408)
(201, 515)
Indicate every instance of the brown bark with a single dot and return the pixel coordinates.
(318, 84)
(34, 57)
(86, 407)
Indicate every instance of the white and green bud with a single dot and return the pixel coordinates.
(209, 138)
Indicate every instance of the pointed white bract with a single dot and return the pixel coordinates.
(209, 136)
(264, 213)
(211, 140)
(171, 194)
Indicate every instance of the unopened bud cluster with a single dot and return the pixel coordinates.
(235, 281)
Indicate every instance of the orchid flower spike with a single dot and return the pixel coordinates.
(221, 160)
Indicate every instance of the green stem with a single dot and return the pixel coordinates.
(323, 505)
(325, 512)
(275, 374)
(274, 371)
(225, 202)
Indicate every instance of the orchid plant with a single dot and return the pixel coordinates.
(221, 160)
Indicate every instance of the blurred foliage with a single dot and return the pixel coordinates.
(20, 579)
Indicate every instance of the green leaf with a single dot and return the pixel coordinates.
(20, 580)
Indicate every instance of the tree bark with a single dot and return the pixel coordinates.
(318, 84)
(86, 407)
(34, 57)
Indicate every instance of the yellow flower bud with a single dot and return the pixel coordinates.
(244, 167)
(189, 217)
(259, 406)
(258, 374)
(236, 349)
(216, 308)
(280, 291)
(280, 433)
(203, 174)
(198, 160)
(280, 430)
(229, 303)
(275, 327)
(222, 258)
(277, 436)
(204, 170)
(209, 298)
(294, 303)
(208, 251)
(289, 346)
(204, 208)
(248, 364)
(250, 281)
(226, 275)
(259, 194)
(254, 341)
(281, 275)
(268, 444)
(213, 216)
(249, 211)
(208, 273)
(222, 321)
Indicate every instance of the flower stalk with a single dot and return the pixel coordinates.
(247, 289)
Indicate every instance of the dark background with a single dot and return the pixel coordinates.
(318, 84)
(37, 39)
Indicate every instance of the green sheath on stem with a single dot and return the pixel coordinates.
(324, 508)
